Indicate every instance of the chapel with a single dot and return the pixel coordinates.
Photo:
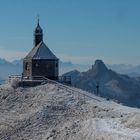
(40, 61)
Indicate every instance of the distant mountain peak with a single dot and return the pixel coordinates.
(3, 61)
(99, 67)
(100, 64)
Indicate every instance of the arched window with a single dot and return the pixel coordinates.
(36, 65)
(26, 66)
(56, 65)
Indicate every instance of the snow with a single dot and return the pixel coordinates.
(107, 128)
(52, 111)
(113, 84)
(41, 51)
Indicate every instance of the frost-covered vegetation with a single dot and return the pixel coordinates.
(48, 112)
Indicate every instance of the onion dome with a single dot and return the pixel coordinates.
(38, 34)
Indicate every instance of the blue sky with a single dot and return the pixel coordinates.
(80, 31)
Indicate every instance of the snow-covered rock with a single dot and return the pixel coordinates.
(111, 84)
(52, 111)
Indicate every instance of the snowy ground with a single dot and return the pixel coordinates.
(49, 112)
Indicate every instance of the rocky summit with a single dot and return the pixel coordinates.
(112, 85)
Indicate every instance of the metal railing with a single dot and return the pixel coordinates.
(59, 83)
(69, 89)
(16, 77)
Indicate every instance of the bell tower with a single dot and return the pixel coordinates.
(40, 62)
(38, 34)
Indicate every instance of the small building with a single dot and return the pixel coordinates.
(40, 61)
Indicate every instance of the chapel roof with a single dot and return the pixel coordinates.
(41, 51)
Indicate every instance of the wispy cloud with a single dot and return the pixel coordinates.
(77, 59)
(11, 55)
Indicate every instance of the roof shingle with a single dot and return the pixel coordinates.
(41, 51)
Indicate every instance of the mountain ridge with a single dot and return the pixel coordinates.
(112, 85)
(51, 112)
(133, 71)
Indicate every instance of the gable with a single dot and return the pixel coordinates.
(41, 51)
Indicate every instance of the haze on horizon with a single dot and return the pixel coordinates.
(78, 31)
